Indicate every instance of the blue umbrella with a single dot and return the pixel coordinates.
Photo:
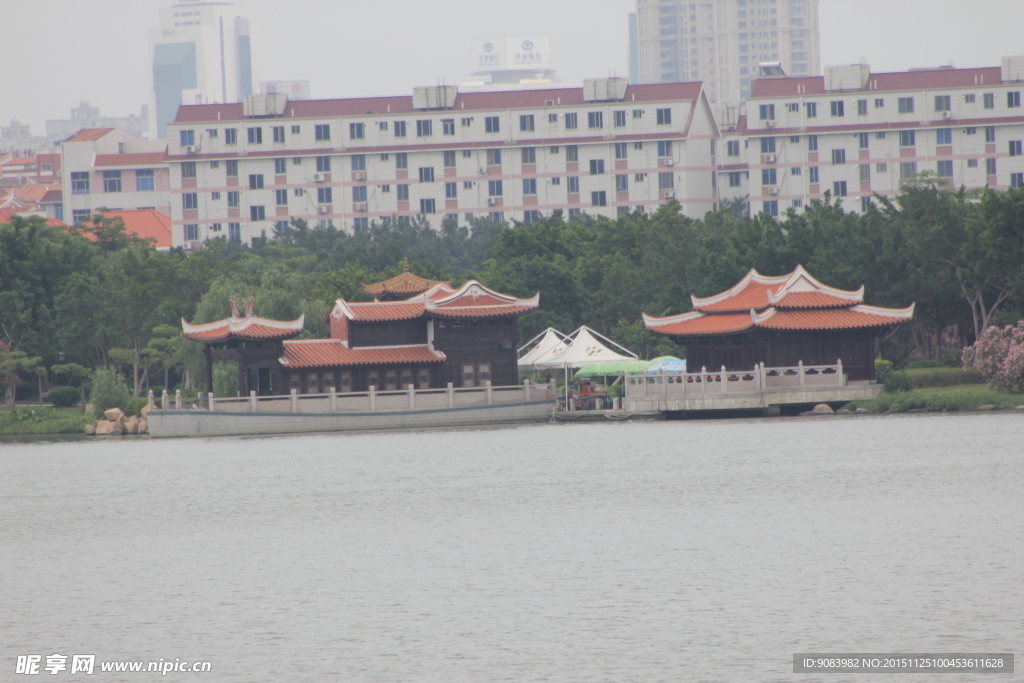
(667, 364)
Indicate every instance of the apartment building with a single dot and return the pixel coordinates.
(244, 170)
(721, 42)
(852, 133)
(110, 168)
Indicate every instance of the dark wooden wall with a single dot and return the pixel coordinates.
(479, 345)
(395, 333)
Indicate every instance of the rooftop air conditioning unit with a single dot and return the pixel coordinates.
(770, 123)
(769, 158)
(491, 201)
(668, 194)
(670, 162)
(773, 190)
(946, 114)
(323, 209)
(360, 176)
(191, 149)
(319, 177)
(481, 171)
(361, 206)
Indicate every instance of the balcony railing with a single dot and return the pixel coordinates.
(732, 383)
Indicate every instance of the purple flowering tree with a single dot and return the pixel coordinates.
(999, 355)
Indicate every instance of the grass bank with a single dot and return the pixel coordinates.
(29, 420)
(938, 399)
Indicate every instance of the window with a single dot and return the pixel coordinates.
(990, 167)
(734, 178)
(532, 216)
(402, 192)
(552, 118)
(1015, 151)
(529, 186)
(598, 199)
(570, 120)
(278, 132)
(399, 129)
(466, 121)
(908, 169)
(401, 160)
(795, 170)
(1016, 180)
(188, 169)
(793, 107)
(865, 203)
(970, 130)
(665, 115)
(622, 183)
(575, 214)
(449, 159)
(296, 161)
(595, 119)
(296, 130)
(359, 193)
(467, 154)
(880, 135)
(794, 139)
(215, 227)
(862, 107)
(905, 105)
(190, 201)
(280, 166)
(323, 164)
(191, 232)
(573, 184)
(664, 148)
(492, 124)
(1013, 99)
(144, 180)
(448, 126)
(427, 174)
(944, 136)
(638, 113)
(233, 200)
(771, 208)
(322, 131)
(385, 189)
(990, 133)
(256, 181)
(358, 162)
(767, 145)
(988, 100)
(356, 131)
(80, 215)
(188, 138)
(839, 156)
(907, 138)
(281, 197)
(424, 128)
(382, 125)
(620, 150)
(553, 149)
(526, 123)
(325, 195)
(837, 108)
(298, 192)
(451, 190)
(529, 155)
(234, 231)
(572, 153)
(494, 188)
(972, 163)
(766, 112)
(112, 181)
(812, 110)
(732, 148)
(620, 118)
(494, 157)
(812, 174)
(596, 166)
(945, 169)
(257, 213)
(768, 176)
(865, 173)
(942, 103)
(230, 136)
(556, 181)
(862, 140)
(255, 136)
(839, 188)
(879, 102)
(467, 184)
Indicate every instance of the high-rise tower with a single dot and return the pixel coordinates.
(202, 53)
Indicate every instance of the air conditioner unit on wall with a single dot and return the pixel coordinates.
(491, 201)
(769, 158)
(323, 209)
(360, 176)
(670, 162)
(361, 206)
(191, 149)
(946, 114)
(773, 190)
(319, 177)
(668, 194)
(770, 123)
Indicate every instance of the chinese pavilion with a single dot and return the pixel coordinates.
(781, 321)
(465, 336)
(401, 286)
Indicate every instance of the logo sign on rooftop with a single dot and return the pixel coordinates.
(511, 53)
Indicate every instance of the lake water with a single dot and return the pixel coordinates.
(664, 551)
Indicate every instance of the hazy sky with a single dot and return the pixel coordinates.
(58, 52)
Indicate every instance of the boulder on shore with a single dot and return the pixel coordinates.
(90, 430)
(143, 426)
(131, 425)
(844, 411)
(103, 427)
(861, 411)
(113, 414)
(145, 411)
(822, 409)
(988, 406)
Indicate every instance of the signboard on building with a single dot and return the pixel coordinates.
(496, 54)
(295, 90)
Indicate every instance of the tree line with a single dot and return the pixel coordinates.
(72, 301)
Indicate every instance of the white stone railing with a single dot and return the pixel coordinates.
(725, 383)
(371, 401)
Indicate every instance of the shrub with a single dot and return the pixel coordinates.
(925, 378)
(897, 382)
(882, 370)
(924, 363)
(108, 391)
(134, 406)
(63, 397)
(999, 355)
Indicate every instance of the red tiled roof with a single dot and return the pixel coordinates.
(810, 300)
(472, 300)
(480, 312)
(754, 295)
(756, 291)
(146, 223)
(331, 352)
(931, 79)
(53, 196)
(402, 104)
(34, 192)
(723, 323)
(89, 134)
(134, 159)
(834, 319)
(6, 214)
(244, 328)
(404, 283)
(387, 310)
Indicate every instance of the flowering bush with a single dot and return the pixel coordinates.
(999, 355)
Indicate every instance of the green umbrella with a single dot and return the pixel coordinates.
(612, 368)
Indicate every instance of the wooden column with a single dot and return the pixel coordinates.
(242, 374)
(209, 368)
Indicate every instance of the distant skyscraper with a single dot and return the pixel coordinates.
(721, 42)
(201, 53)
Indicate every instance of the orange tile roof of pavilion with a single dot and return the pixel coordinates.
(756, 291)
(403, 284)
(243, 328)
(332, 352)
(472, 300)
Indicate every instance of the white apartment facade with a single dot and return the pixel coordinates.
(854, 133)
(244, 170)
(721, 42)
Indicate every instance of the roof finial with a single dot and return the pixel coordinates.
(248, 308)
(406, 266)
(234, 307)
